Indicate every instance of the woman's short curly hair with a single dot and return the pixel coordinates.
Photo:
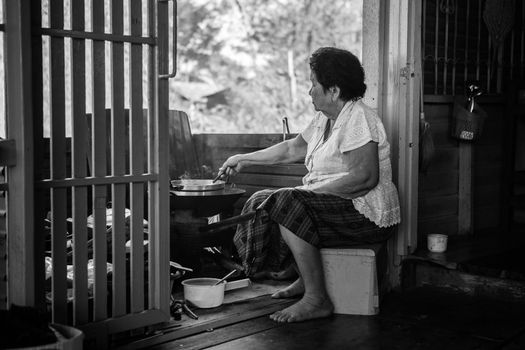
(338, 67)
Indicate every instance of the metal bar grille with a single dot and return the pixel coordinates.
(458, 48)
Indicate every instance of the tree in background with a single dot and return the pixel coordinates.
(255, 52)
(258, 51)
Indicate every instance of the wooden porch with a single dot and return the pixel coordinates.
(416, 319)
(471, 297)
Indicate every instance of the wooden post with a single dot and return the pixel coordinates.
(99, 136)
(118, 161)
(400, 115)
(136, 151)
(79, 169)
(465, 189)
(160, 156)
(20, 229)
(58, 165)
(373, 51)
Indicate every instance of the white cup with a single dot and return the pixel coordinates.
(437, 243)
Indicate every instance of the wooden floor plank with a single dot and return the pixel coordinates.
(210, 319)
(418, 319)
(221, 335)
(475, 316)
(354, 332)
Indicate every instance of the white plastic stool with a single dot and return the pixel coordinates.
(351, 279)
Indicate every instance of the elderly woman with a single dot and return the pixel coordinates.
(347, 196)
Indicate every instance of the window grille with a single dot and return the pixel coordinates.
(458, 47)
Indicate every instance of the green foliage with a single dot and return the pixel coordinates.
(245, 47)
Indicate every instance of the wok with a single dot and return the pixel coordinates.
(205, 202)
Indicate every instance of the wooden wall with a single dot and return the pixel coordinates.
(3, 246)
(457, 48)
(439, 187)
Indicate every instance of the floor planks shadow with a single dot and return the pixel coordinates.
(423, 318)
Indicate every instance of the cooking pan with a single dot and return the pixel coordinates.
(197, 185)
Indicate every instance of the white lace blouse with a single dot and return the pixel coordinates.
(356, 125)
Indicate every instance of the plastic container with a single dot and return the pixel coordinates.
(437, 243)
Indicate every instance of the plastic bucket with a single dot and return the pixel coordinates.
(437, 243)
(203, 293)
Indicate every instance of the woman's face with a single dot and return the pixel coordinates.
(321, 99)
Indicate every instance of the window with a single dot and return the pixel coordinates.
(243, 65)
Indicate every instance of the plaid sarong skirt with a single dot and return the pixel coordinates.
(322, 220)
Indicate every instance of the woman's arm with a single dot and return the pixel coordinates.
(288, 151)
(363, 167)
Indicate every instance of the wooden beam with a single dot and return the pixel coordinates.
(465, 189)
(40, 197)
(21, 277)
(75, 34)
(399, 114)
(373, 51)
(160, 156)
(79, 151)
(118, 162)
(92, 181)
(99, 137)
(58, 167)
(136, 151)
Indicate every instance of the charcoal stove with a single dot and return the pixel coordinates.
(192, 203)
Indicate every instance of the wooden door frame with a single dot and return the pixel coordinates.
(392, 48)
(20, 194)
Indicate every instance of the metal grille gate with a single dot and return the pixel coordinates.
(458, 47)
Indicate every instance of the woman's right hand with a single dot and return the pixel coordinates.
(231, 166)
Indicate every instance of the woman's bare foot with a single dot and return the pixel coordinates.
(293, 290)
(307, 308)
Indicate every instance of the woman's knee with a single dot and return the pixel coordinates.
(289, 192)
